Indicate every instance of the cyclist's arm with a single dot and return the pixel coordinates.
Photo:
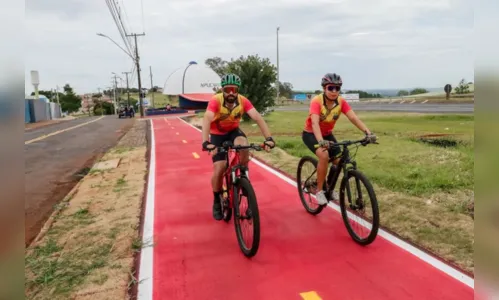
(315, 110)
(207, 119)
(257, 117)
(209, 115)
(316, 127)
(352, 116)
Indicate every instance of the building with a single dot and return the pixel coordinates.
(194, 85)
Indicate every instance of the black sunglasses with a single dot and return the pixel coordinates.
(333, 87)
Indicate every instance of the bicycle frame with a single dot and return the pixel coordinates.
(233, 169)
(345, 159)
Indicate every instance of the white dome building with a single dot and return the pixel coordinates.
(194, 85)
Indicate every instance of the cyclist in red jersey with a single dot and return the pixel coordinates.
(221, 123)
(325, 110)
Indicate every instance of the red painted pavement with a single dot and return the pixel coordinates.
(196, 257)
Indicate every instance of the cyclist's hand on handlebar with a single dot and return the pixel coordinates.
(371, 137)
(207, 146)
(324, 144)
(269, 144)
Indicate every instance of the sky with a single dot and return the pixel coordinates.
(371, 44)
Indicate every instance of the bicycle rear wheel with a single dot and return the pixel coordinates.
(307, 184)
(358, 204)
(248, 240)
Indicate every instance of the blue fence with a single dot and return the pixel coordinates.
(39, 110)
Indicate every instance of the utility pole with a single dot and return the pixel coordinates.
(127, 87)
(100, 102)
(137, 62)
(277, 83)
(58, 102)
(150, 74)
(115, 99)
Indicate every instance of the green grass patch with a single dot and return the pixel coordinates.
(401, 161)
(62, 273)
(422, 170)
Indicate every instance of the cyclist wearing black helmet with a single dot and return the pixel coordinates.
(221, 123)
(325, 110)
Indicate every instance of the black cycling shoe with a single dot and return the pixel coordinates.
(217, 211)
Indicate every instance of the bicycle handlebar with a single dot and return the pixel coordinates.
(363, 141)
(227, 146)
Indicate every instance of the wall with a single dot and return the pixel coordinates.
(188, 104)
(55, 111)
(37, 111)
(27, 113)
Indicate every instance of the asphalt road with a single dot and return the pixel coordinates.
(416, 107)
(53, 165)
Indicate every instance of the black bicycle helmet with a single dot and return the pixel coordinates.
(331, 78)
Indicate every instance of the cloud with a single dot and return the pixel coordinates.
(373, 44)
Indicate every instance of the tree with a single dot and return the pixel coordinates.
(49, 94)
(463, 87)
(286, 89)
(103, 108)
(418, 91)
(257, 76)
(363, 94)
(70, 102)
(217, 64)
(402, 93)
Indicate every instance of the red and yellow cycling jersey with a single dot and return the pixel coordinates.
(227, 119)
(327, 118)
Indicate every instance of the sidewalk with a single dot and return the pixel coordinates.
(300, 256)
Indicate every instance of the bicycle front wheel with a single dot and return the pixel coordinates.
(361, 224)
(306, 182)
(246, 217)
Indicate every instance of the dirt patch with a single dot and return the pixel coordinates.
(88, 253)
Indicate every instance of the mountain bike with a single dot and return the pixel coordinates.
(236, 182)
(348, 166)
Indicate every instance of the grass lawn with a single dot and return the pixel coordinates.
(425, 191)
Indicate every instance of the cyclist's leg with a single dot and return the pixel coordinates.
(333, 152)
(239, 138)
(219, 160)
(323, 156)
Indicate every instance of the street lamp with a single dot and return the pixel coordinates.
(137, 65)
(277, 83)
(103, 35)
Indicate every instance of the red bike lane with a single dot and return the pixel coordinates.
(300, 256)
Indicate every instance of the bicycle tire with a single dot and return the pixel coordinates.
(244, 184)
(226, 210)
(302, 161)
(374, 204)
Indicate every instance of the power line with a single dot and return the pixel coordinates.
(116, 14)
(127, 87)
(137, 61)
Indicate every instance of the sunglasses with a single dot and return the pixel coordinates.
(332, 88)
(230, 89)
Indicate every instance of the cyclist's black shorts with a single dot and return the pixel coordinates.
(310, 140)
(218, 140)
